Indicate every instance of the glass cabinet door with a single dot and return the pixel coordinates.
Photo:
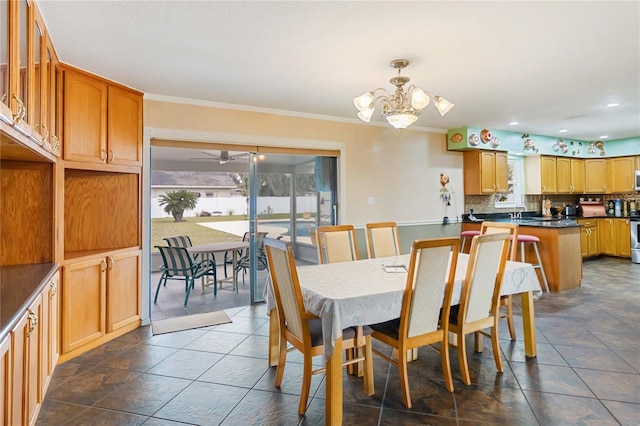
(5, 112)
(35, 82)
(21, 98)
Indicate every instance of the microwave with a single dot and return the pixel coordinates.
(637, 180)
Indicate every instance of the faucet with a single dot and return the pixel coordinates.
(517, 214)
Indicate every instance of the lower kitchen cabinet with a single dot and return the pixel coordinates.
(5, 379)
(588, 237)
(622, 232)
(606, 236)
(100, 296)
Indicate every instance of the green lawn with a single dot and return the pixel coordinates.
(167, 227)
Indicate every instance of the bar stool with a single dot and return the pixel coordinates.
(464, 235)
(532, 239)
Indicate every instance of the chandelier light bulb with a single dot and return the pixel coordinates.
(363, 101)
(442, 105)
(366, 114)
(419, 99)
(402, 121)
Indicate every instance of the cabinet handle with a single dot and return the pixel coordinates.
(55, 146)
(544, 188)
(112, 262)
(33, 322)
(54, 290)
(19, 116)
(46, 133)
(103, 266)
(110, 157)
(103, 155)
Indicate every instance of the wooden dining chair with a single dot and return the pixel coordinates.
(507, 301)
(336, 243)
(179, 265)
(382, 239)
(480, 296)
(425, 308)
(302, 329)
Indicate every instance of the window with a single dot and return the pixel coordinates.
(515, 194)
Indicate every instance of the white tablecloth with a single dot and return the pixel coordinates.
(361, 292)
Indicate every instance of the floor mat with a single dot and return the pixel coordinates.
(189, 321)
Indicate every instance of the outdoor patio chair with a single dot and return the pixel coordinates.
(228, 255)
(244, 260)
(180, 241)
(179, 265)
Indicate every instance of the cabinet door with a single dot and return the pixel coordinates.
(487, 172)
(123, 289)
(606, 236)
(49, 330)
(33, 359)
(548, 175)
(19, 376)
(621, 173)
(5, 90)
(501, 172)
(85, 118)
(5, 380)
(577, 176)
(563, 175)
(83, 303)
(584, 241)
(594, 247)
(623, 237)
(594, 176)
(37, 77)
(124, 132)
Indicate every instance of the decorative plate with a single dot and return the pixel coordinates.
(474, 139)
(486, 135)
(495, 142)
(457, 137)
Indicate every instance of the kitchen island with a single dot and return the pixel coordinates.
(559, 247)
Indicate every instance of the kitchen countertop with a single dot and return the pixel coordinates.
(528, 219)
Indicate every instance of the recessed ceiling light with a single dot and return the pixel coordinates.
(562, 131)
(612, 104)
(604, 137)
(513, 123)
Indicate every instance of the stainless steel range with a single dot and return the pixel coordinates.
(635, 244)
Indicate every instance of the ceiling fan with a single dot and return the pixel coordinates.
(224, 156)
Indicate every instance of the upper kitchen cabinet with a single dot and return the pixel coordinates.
(569, 175)
(485, 172)
(595, 176)
(102, 122)
(5, 97)
(540, 175)
(621, 174)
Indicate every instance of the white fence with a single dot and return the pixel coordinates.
(238, 205)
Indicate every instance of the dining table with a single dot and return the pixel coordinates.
(208, 251)
(362, 292)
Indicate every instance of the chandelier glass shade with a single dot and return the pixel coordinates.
(401, 108)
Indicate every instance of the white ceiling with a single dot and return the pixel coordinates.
(548, 65)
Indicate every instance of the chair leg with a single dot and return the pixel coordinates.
(495, 344)
(544, 276)
(446, 363)
(306, 384)
(404, 376)
(462, 358)
(282, 358)
(512, 328)
(369, 387)
(162, 277)
(190, 284)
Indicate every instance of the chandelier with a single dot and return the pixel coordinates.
(401, 109)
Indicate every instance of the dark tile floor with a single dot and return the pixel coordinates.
(587, 372)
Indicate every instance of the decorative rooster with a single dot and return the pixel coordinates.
(444, 191)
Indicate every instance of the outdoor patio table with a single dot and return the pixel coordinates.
(208, 251)
(361, 292)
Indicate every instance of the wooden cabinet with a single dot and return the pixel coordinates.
(485, 172)
(102, 121)
(50, 335)
(589, 237)
(100, 296)
(540, 175)
(621, 175)
(606, 236)
(26, 341)
(622, 232)
(5, 91)
(569, 175)
(595, 176)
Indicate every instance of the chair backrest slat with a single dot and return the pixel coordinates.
(429, 284)
(337, 244)
(481, 288)
(178, 241)
(286, 286)
(177, 260)
(382, 239)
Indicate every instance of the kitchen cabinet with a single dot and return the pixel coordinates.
(540, 175)
(569, 175)
(614, 236)
(622, 232)
(621, 175)
(606, 236)
(50, 335)
(588, 237)
(5, 92)
(485, 172)
(100, 296)
(595, 176)
(102, 122)
(6, 395)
